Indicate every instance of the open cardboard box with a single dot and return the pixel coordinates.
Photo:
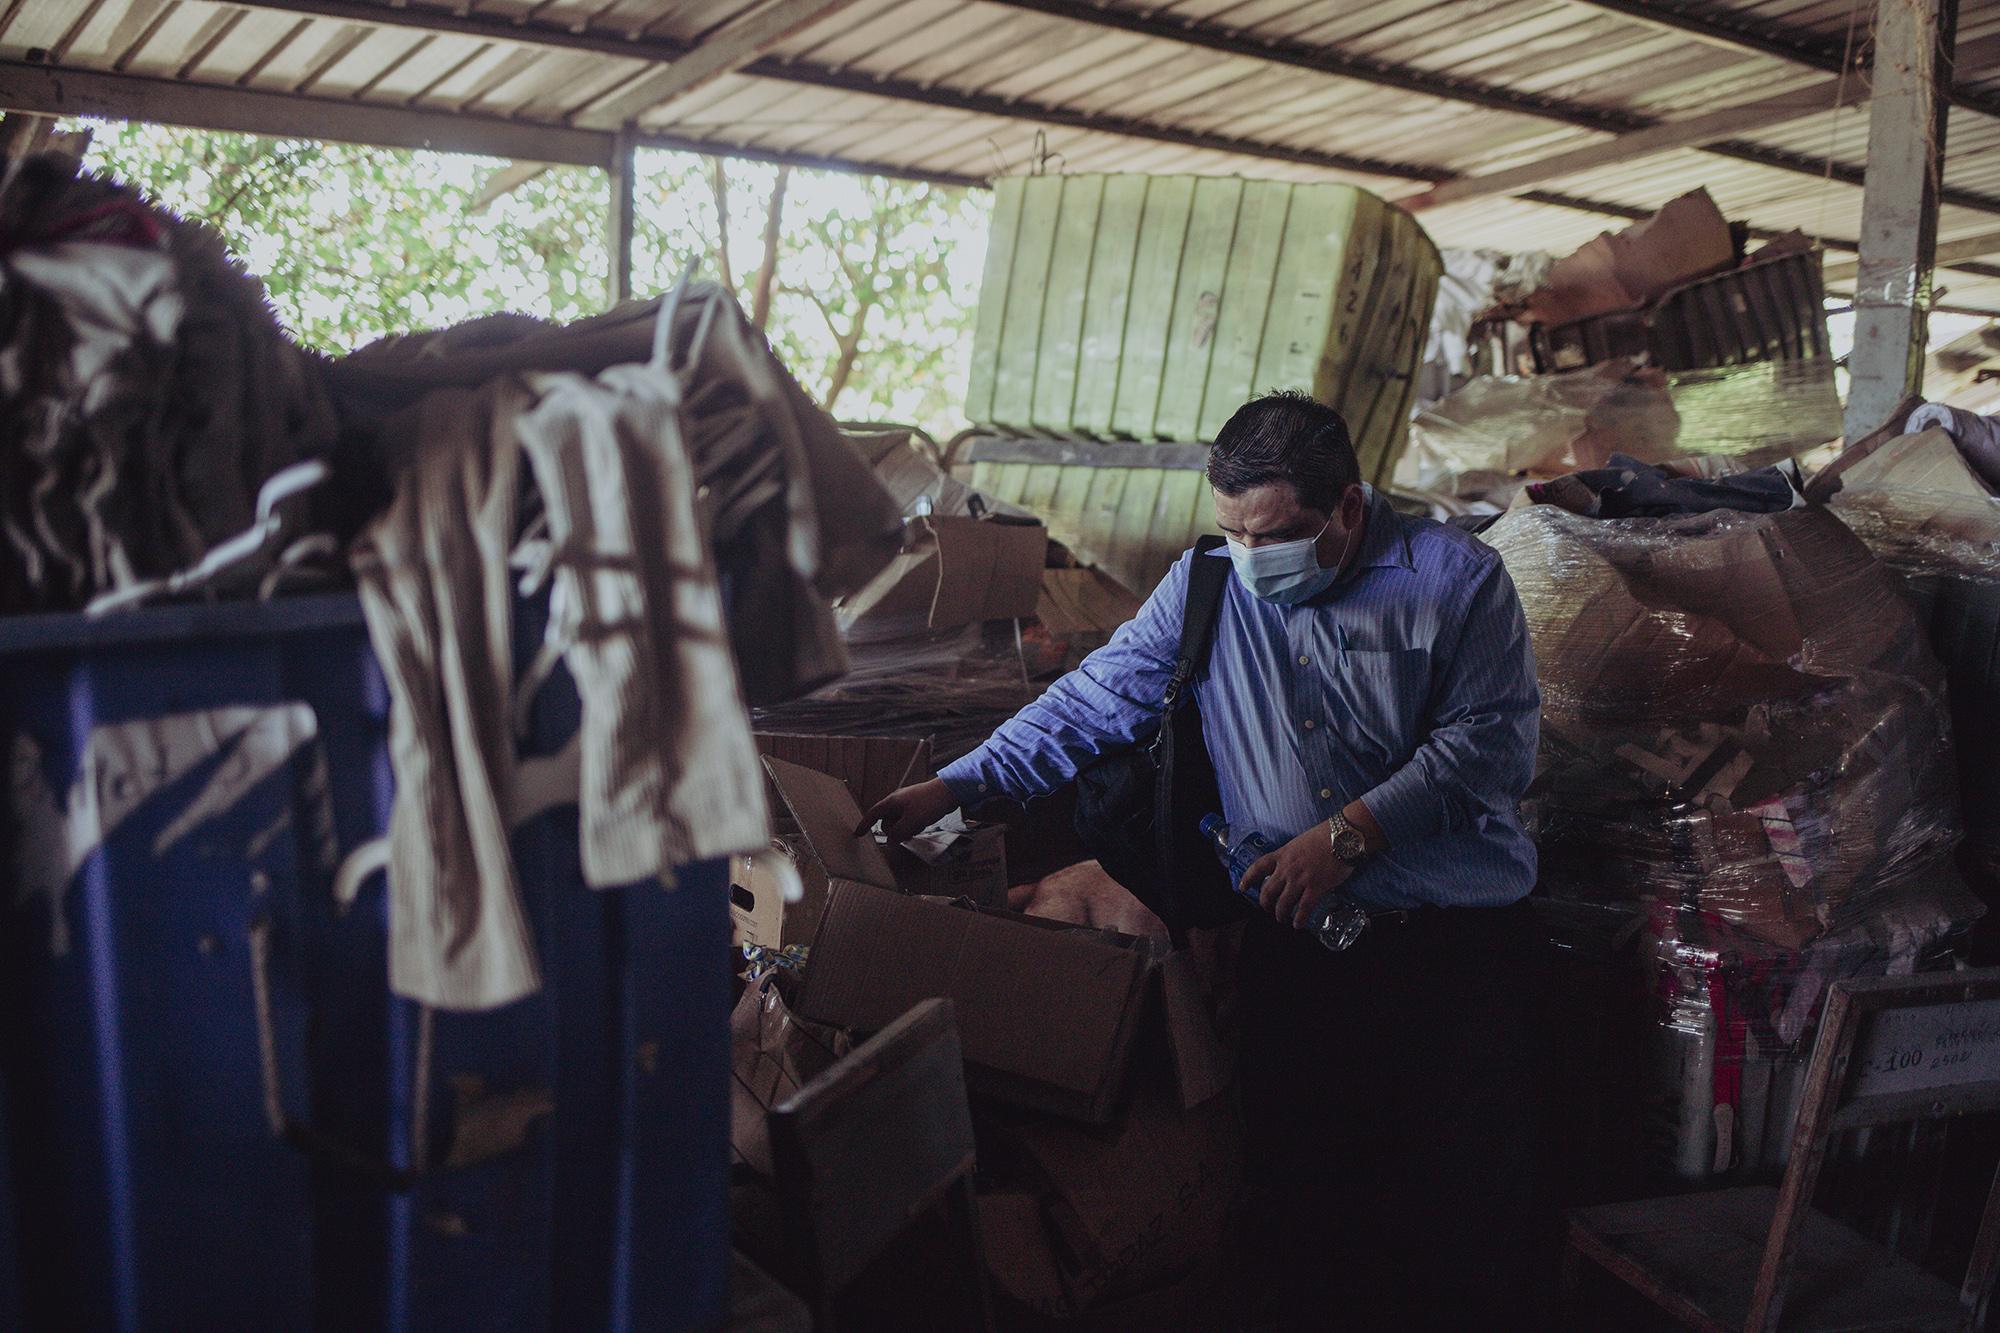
(1051, 1017)
(825, 852)
(871, 766)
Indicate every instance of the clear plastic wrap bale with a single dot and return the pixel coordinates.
(1495, 427)
(1740, 718)
(1919, 505)
(1736, 1017)
(1927, 532)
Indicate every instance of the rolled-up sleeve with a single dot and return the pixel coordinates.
(1485, 712)
(1110, 700)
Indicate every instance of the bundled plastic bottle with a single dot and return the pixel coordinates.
(1336, 922)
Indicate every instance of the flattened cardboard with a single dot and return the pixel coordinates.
(1143, 1201)
(956, 572)
(826, 813)
(1020, 1254)
(1084, 601)
(1049, 1017)
(1202, 1067)
(1080, 609)
(1686, 239)
(991, 571)
(1926, 461)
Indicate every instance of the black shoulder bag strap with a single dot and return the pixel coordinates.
(1185, 778)
(1206, 579)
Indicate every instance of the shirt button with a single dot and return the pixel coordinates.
(1309, 724)
(1326, 793)
(1304, 660)
(982, 786)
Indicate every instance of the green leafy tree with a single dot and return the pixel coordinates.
(357, 242)
(866, 286)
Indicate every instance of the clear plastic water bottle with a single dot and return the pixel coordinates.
(1336, 921)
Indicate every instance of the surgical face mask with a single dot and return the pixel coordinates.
(1287, 572)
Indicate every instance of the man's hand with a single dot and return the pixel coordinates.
(1291, 881)
(908, 811)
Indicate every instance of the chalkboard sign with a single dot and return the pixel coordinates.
(1922, 1048)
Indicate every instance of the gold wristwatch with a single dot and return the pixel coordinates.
(1348, 843)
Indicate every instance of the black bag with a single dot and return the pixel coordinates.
(1139, 811)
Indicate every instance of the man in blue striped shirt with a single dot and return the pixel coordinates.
(1369, 704)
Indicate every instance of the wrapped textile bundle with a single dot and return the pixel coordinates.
(1740, 718)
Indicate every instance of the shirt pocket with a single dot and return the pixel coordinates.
(1382, 697)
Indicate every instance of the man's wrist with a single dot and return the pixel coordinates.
(970, 786)
(1350, 844)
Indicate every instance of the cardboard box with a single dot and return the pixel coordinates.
(1097, 1215)
(824, 852)
(1051, 1017)
(955, 571)
(871, 766)
(772, 1054)
(958, 859)
(1687, 238)
(758, 912)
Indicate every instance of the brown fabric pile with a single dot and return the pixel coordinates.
(147, 389)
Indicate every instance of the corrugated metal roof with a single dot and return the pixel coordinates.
(1391, 94)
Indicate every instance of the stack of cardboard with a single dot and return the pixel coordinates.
(1109, 1156)
(1744, 739)
(1748, 379)
(953, 637)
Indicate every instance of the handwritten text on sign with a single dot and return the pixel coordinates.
(1937, 1046)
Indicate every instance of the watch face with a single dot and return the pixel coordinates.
(1348, 844)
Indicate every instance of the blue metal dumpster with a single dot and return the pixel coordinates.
(212, 1112)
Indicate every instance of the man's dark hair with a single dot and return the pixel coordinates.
(1287, 435)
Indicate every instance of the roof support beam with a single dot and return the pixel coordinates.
(724, 52)
(1773, 40)
(1011, 108)
(1892, 294)
(61, 92)
(1326, 60)
(622, 219)
(1951, 254)
(458, 22)
(58, 92)
(1694, 132)
(669, 51)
